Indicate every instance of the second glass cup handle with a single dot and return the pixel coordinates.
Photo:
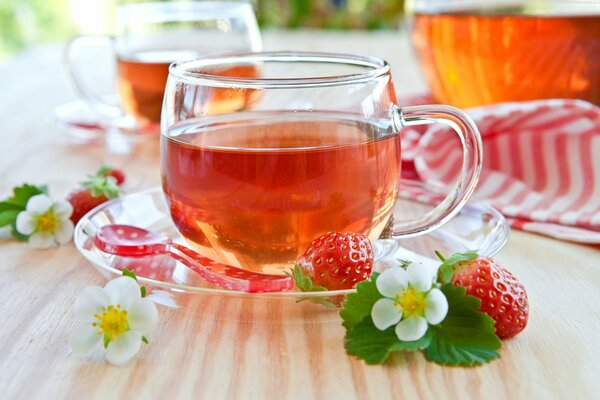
(76, 82)
(470, 138)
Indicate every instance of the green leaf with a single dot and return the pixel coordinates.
(143, 291)
(420, 344)
(367, 342)
(447, 268)
(358, 305)
(102, 186)
(103, 170)
(305, 284)
(466, 336)
(8, 206)
(106, 341)
(22, 194)
(145, 339)
(8, 217)
(129, 273)
(302, 281)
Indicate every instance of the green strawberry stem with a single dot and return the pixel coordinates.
(440, 256)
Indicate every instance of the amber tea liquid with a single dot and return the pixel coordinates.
(472, 58)
(255, 193)
(142, 78)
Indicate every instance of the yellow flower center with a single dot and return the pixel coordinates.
(112, 323)
(412, 303)
(47, 222)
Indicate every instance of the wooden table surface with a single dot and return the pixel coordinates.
(195, 355)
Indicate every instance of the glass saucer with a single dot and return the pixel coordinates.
(80, 125)
(477, 227)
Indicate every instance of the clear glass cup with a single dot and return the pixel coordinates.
(149, 37)
(312, 147)
(479, 52)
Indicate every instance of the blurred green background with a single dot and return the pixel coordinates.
(28, 22)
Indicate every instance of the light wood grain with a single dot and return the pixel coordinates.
(247, 352)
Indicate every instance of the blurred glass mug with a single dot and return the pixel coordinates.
(318, 150)
(478, 52)
(149, 37)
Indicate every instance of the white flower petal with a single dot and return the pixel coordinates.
(419, 276)
(41, 240)
(385, 313)
(411, 329)
(90, 302)
(84, 338)
(392, 281)
(436, 306)
(64, 232)
(63, 209)
(142, 316)
(39, 204)
(124, 347)
(25, 223)
(123, 291)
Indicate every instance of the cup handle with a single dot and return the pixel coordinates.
(74, 79)
(470, 138)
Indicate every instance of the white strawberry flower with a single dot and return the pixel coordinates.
(411, 302)
(45, 221)
(116, 316)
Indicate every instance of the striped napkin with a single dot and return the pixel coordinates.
(541, 164)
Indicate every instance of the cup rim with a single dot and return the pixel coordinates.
(180, 69)
(166, 10)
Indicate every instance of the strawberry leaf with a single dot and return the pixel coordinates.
(367, 342)
(447, 268)
(8, 206)
(21, 195)
(302, 281)
(8, 217)
(358, 305)
(129, 273)
(305, 284)
(103, 170)
(466, 336)
(102, 186)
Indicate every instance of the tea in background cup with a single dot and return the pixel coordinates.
(150, 36)
(317, 151)
(479, 52)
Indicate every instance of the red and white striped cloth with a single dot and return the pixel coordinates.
(541, 164)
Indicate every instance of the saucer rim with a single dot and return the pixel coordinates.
(79, 235)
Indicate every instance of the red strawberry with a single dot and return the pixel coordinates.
(502, 296)
(96, 190)
(336, 261)
(114, 172)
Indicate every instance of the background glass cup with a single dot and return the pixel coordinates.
(150, 36)
(313, 148)
(478, 52)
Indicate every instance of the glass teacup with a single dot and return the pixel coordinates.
(149, 37)
(314, 148)
(479, 52)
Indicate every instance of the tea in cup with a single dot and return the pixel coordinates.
(317, 151)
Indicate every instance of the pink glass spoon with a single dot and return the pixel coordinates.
(131, 241)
